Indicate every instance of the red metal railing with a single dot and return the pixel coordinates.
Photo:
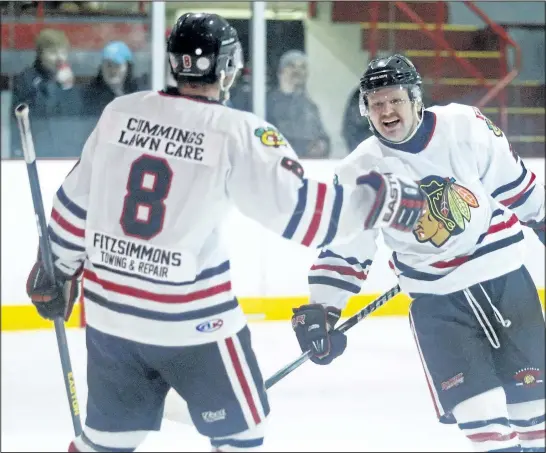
(440, 41)
(374, 19)
(437, 35)
(509, 76)
(312, 9)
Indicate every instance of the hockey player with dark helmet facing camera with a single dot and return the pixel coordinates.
(475, 312)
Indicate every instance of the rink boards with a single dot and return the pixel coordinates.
(268, 274)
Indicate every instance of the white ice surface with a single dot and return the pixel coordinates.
(373, 398)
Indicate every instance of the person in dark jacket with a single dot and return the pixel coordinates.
(48, 88)
(47, 85)
(115, 78)
(355, 128)
(290, 108)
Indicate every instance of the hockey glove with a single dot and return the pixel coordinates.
(313, 325)
(52, 300)
(399, 203)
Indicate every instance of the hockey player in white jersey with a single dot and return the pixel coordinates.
(139, 215)
(475, 312)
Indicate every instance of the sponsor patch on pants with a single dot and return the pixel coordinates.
(213, 416)
(456, 380)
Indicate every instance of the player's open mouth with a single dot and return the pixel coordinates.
(391, 124)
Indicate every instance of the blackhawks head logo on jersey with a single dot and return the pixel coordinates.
(448, 208)
(269, 136)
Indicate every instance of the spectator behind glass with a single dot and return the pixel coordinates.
(115, 78)
(47, 85)
(48, 88)
(355, 127)
(290, 108)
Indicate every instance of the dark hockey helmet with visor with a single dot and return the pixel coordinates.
(204, 48)
(392, 71)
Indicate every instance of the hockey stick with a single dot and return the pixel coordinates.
(177, 410)
(21, 112)
(352, 321)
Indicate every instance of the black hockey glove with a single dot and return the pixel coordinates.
(399, 203)
(313, 325)
(52, 300)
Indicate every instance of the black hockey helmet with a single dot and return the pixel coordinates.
(395, 70)
(201, 46)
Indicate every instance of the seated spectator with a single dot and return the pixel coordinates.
(355, 128)
(114, 78)
(290, 108)
(48, 88)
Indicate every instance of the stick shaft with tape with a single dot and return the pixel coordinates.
(22, 115)
(349, 323)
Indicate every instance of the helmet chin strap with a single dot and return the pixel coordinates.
(224, 88)
(224, 91)
(411, 133)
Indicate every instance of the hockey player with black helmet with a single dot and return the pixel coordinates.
(140, 215)
(475, 312)
(204, 51)
(396, 108)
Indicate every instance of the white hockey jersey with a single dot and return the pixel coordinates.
(478, 191)
(142, 207)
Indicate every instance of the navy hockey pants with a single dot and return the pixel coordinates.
(128, 382)
(489, 335)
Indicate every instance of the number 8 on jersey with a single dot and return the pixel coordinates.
(148, 185)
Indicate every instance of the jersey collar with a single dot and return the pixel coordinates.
(420, 139)
(171, 91)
